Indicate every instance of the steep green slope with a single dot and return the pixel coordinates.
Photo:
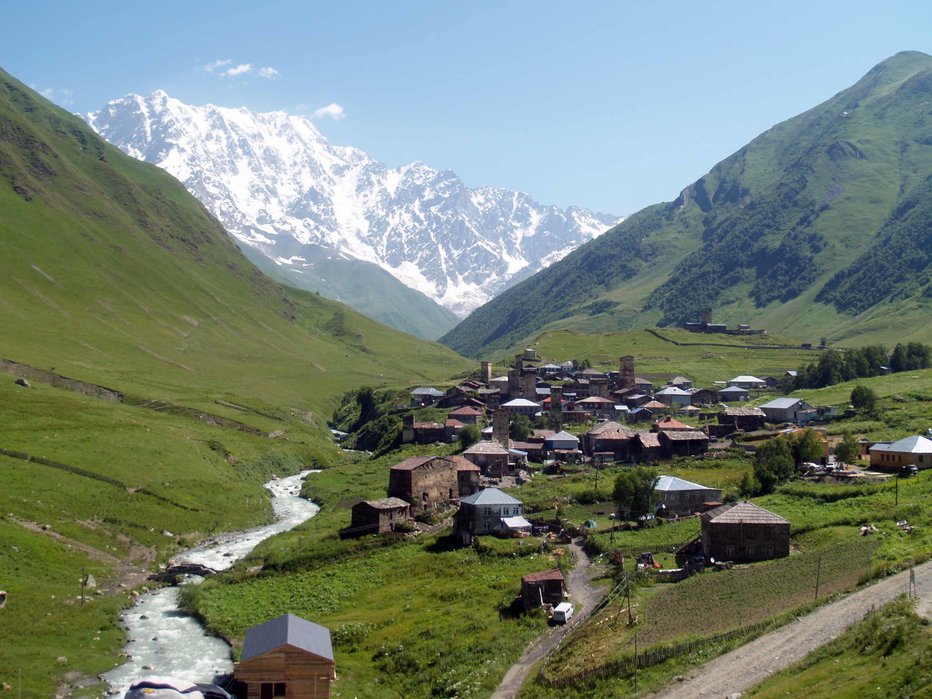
(111, 273)
(761, 235)
(364, 286)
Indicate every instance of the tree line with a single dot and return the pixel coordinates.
(835, 366)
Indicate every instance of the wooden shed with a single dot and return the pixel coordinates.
(286, 657)
(545, 587)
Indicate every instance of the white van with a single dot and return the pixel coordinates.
(562, 612)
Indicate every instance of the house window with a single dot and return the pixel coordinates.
(488, 525)
(770, 551)
(271, 690)
(729, 550)
(751, 550)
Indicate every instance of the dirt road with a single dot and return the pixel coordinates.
(747, 666)
(584, 598)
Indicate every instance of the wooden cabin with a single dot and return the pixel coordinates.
(287, 657)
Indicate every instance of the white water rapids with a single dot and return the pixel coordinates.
(163, 640)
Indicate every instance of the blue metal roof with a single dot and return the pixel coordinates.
(288, 630)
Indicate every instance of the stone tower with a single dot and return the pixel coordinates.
(501, 420)
(485, 373)
(626, 373)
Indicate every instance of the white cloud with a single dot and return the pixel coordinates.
(332, 111)
(60, 97)
(216, 65)
(241, 69)
(268, 72)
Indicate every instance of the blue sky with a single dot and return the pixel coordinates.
(608, 105)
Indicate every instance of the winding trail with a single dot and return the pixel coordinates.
(584, 597)
(747, 666)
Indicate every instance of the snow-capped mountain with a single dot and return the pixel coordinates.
(278, 185)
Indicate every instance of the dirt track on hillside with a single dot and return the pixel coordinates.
(749, 665)
(584, 598)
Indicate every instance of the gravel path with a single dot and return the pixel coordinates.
(750, 664)
(584, 598)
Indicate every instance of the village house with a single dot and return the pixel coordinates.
(522, 406)
(417, 432)
(784, 409)
(673, 396)
(909, 451)
(286, 657)
(749, 382)
(704, 396)
(669, 423)
(745, 419)
(468, 415)
(490, 511)
(731, 394)
(424, 481)
(425, 395)
(681, 382)
(646, 447)
(597, 406)
(491, 457)
(643, 385)
(683, 442)
(377, 516)
(545, 587)
(610, 441)
(680, 498)
(743, 532)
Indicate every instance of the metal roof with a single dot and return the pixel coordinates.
(671, 483)
(427, 391)
(562, 436)
(287, 630)
(520, 403)
(490, 496)
(915, 444)
(782, 403)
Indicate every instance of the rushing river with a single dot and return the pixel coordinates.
(163, 640)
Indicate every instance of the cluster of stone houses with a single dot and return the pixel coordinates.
(570, 396)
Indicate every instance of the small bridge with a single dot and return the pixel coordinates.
(171, 574)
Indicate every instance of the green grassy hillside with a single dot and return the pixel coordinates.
(111, 273)
(364, 286)
(804, 231)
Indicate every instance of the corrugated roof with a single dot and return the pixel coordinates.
(733, 389)
(747, 379)
(520, 403)
(542, 576)
(672, 391)
(564, 435)
(289, 630)
(742, 513)
(516, 522)
(490, 496)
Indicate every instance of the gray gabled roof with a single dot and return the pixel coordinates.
(670, 483)
(490, 496)
(782, 403)
(288, 630)
(427, 391)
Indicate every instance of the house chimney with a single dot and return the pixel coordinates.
(500, 423)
